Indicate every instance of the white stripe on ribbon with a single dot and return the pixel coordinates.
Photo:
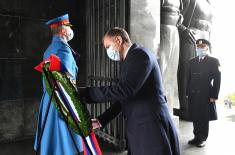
(70, 101)
(90, 145)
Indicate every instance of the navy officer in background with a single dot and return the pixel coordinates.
(202, 91)
(139, 95)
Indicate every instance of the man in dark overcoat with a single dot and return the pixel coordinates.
(202, 91)
(139, 95)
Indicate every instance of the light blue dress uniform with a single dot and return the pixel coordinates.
(56, 139)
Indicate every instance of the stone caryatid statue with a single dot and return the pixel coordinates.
(168, 52)
(195, 23)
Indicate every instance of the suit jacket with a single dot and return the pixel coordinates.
(56, 139)
(203, 84)
(139, 93)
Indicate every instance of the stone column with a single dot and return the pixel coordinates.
(169, 48)
(145, 23)
(160, 34)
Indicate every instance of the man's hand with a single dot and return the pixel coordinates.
(95, 124)
(212, 100)
(83, 94)
(81, 91)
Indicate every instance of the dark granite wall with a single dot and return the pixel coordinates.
(23, 39)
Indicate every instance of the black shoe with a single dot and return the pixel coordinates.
(194, 141)
(201, 143)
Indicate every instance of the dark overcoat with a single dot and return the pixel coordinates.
(149, 127)
(203, 84)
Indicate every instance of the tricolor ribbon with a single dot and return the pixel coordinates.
(67, 103)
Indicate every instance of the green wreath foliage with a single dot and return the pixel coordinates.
(61, 77)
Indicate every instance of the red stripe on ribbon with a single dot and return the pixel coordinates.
(84, 148)
(97, 147)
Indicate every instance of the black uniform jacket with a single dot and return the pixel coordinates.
(139, 96)
(203, 84)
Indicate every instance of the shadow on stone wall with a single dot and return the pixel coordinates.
(24, 37)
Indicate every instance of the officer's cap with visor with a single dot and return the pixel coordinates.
(61, 20)
(203, 43)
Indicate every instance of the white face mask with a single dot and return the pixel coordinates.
(70, 34)
(201, 52)
(113, 54)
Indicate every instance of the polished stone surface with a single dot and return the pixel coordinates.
(220, 140)
(24, 38)
(221, 135)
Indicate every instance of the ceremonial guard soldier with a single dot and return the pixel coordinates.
(56, 138)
